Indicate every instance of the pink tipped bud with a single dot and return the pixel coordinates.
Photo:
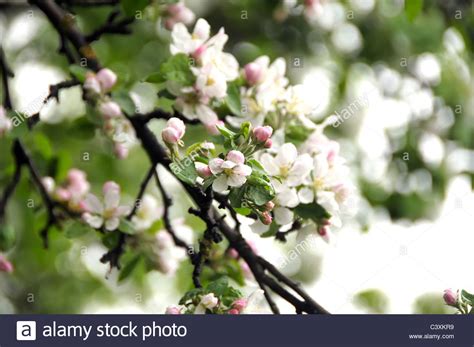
(5, 265)
(173, 310)
(121, 151)
(262, 134)
(236, 156)
(240, 304)
(232, 252)
(267, 218)
(212, 127)
(170, 135)
(233, 311)
(324, 232)
(253, 73)
(180, 13)
(269, 206)
(107, 79)
(268, 143)
(110, 109)
(111, 187)
(63, 194)
(450, 297)
(203, 170)
(91, 84)
(178, 125)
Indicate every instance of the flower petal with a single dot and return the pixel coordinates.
(236, 180)
(112, 224)
(270, 165)
(216, 165)
(94, 221)
(92, 204)
(286, 155)
(306, 195)
(283, 215)
(220, 184)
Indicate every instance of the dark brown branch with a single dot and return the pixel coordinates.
(6, 73)
(64, 24)
(11, 186)
(281, 235)
(141, 192)
(168, 202)
(112, 26)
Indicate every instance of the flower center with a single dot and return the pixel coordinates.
(284, 171)
(318, 183)
(210, 81)
(228, 172)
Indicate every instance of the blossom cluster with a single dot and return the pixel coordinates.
(217, 298)
(115, 125)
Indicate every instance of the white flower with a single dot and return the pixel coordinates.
(5, 122)
(148, 212)
(184, 42)
(208, 301)
(230, 172)
(290, 167)
(192, 110)
(210, 82)
(107, 213)
(299, 102)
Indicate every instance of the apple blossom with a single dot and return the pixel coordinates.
(5, 265)
(105, 214)
(266, 218)
(178, 13)
(233, 311)
(173, 310)
(184, 42)
(203, 170)
(450, 297)
(5, 122)
(170, 135)
(240, 304)
(110, 109)
(262, 133)
(253, 73)
(48, 184)
(107, 79)
(209, 301)
(178, 125)
(147, 213)
(230, 172)
(92, 84)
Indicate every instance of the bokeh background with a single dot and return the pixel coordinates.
(403, 73)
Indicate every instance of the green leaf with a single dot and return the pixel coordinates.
(166, 104)
(156, 77)
(413, 8)
(7, 237)
(372, 300)
(233, 99)
(185, 171)
(244, 211)
(227, 133)
(125, 102)
(78, 72)
(191, 295)
(129, 267)
(236, 197)
(20, 124)
(312, 211)
(111, 239)
(130, 7)
(221, 288)
(76, 229)
(272, 231)
(127, 227)
(259, 194)
(245, 129)
(467, 296)
(177, 69)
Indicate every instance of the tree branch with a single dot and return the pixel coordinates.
(111, 26)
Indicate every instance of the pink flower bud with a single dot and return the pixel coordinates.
(253, 73)
(212, 128)
(268, 143)
(5, 265)
(121, 151)
(262, 134)
(236, 156)
(178, 125)
(63, 194)
(180, 13)
(170, 135)
(450, 297)
(170, 23)
(203, 170)
(266, 218)
(240, 304)
(324, 232)
(107, 79)
(92, 84)
(233, 311)
(269, 206)
(111, 187)
(173, 310)
(233, 253)
(110, 109)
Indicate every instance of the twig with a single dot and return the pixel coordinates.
(160, 114)
(168, 202)
(281, 235)
(111, 26)
(141, 192)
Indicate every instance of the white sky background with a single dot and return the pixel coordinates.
(404, 260)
